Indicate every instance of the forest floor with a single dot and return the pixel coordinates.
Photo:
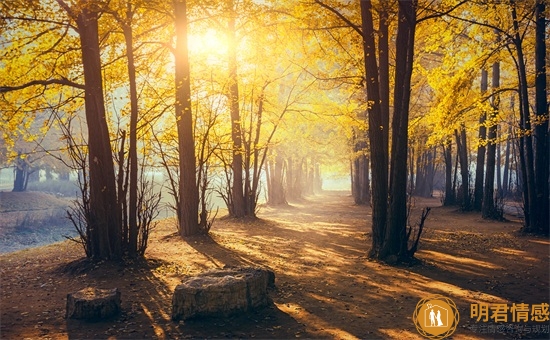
(326, 287)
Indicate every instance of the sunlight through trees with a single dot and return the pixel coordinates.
(241, 102)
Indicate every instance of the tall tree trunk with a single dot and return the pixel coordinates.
(105, 217)
(395, 243)
(541, 128)
(462, 151)
(317, 180)
(379, 150)
(239, 205)
(365, 177)
(309, 177)
(21, 174)
(449, 191)
(498, 162)
(297, 185)
(356, 180)
(527, 147)
(413, 180)
(384, 72)
(276, 191)
(488, 208)
(455, 174)
(188, 191)
(480, 162)
(290, 178)
(506, 174)
(425, 171)
(361, 186)
(132, 152)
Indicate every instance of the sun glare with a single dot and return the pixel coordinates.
(210, 42)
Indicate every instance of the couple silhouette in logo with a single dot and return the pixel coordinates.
(434, 318)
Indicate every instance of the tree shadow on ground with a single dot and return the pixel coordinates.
(326, 282)
(310, 274)
(326, 285)
(146, 311)
(146, 300)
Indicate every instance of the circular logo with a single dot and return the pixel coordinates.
(436, 317)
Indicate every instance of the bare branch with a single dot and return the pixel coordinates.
(437, 14)
(340, 15)
(62, 81)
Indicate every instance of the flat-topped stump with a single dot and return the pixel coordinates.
(93, 303)
(222, 292)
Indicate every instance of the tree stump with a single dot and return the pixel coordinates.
(222, 292)
(93, 303)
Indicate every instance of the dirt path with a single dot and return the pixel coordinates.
(326, 286)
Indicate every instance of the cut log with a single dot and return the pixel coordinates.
(222, 292)
(93, 304)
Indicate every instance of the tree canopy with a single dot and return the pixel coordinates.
(219, 95)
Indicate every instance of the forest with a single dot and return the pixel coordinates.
(371, 153)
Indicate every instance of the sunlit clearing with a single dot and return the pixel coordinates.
(210, 42)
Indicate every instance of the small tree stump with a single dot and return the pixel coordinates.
(93, 303)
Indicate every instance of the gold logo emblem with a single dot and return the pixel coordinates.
(436, 317)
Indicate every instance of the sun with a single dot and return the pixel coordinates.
(210, 42)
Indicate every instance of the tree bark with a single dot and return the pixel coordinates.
(188, 191)
(480, 160)
(506, 174)
(462, 151)
(365, 178)
(526, 150)
(449, 191)
(132, 151)
(542, 178)
(498, 163)
(276, 192)
(425, 171)
(395, 243)
(105, 217)
(360, 174)
(379, 151)
(239, 205)
(384, 72)
(488, 207)
(21, 174)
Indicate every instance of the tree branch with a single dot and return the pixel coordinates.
(341, 16)
(437, 14)
(67, 9)
(62, 81)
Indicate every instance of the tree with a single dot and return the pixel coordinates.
(526, 143)
(105, 242)
(188, 191)
(450, 196)
(515, 30)
(480, 164)
(21, 169)
(100, 216)
(395, 243)
(541, 128)
(379, 150)
(239, 206)
(488, 208)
